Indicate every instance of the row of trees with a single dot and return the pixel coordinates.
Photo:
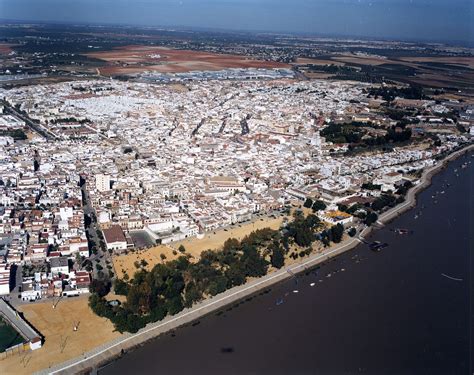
(390, 93)
(317, 205)
(174, 285)
(17, 134)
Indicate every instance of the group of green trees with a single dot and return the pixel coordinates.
(316, 205)
(17, 134)
(301, 230)
(390, 93)
(343, 133)
(169, 287)
(355, 134)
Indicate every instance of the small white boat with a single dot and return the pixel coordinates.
(312, 284)
(343, 269)
(296, 291)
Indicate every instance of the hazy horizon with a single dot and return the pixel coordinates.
(424, 20)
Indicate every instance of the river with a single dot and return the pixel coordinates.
(403, 310)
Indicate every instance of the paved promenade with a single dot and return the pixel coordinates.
(111, 349)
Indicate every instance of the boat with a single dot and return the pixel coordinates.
(343, 269)
(295, 291)
(377, 245)
(312, 284)
(279, 302)
(402, 231)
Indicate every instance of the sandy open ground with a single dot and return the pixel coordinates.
(194, 246)
(6, 48)
(466, 61)
(305, 60)
(136, 59)
(61, 342)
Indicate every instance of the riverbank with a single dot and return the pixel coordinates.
(391, 311)
(127, 341)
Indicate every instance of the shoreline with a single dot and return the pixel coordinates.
(113, 349)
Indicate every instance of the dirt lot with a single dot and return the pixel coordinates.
(135, 59)
(466, 61)
(362, 60)
(194, 246)
(304, 61)
(5, 48)
(61, 342)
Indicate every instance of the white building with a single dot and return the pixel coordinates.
(102, 182)
(59, 266)
(114, 238)
(4, 279)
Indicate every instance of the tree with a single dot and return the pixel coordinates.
(303, 237)
(371, 218)
(163, 257)
(278, 257)
(181, 249)
(336, 233)
(319, 205)
(352, 232)
(312, 221)
(191, 294)
(120, 287)
(174, 305)
(100, 287)
(218, 285)
(308, 203)
(235, 274)
(98, 305)
(254, 264)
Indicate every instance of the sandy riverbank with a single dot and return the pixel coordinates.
(104, 353)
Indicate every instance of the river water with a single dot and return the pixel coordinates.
(388, 312)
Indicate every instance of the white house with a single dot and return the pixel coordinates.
(115, 238)
(59, 265)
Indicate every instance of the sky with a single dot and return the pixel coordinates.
(430, 20)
